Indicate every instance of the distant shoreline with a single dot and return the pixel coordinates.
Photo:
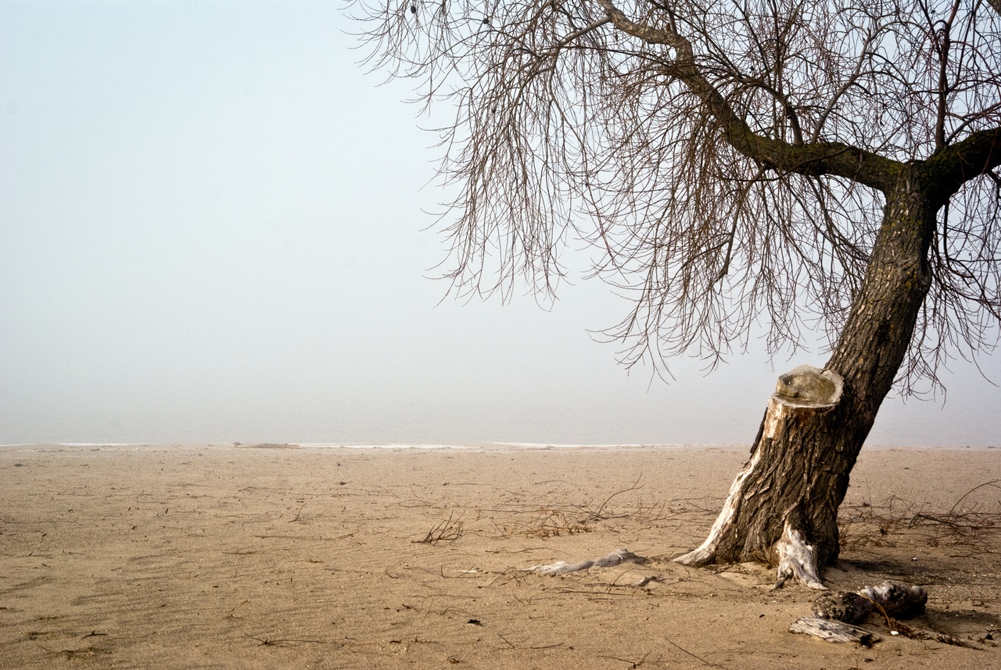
(464, 446)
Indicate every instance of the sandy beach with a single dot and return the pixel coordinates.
(265, 556)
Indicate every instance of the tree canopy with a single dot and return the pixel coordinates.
(726, 162)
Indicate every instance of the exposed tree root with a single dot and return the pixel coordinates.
(796, 559)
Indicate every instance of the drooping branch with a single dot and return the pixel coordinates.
(721, 158)
(812, 159)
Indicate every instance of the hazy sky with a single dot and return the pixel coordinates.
(212, 229)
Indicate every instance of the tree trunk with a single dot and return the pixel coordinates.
(783, 506)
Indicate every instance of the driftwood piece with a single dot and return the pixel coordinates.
(891, 599)
(562, 567)
(842, 606)
(833, 631)
(901, 601)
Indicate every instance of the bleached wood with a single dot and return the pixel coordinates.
(832, 631)
(797, 559)
(706, 552)
(895, 599)
(562, 567)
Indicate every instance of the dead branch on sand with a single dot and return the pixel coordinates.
(555, 520)
(277, 642)
(448, 530)
(865, 525)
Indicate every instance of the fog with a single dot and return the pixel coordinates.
(214, 227)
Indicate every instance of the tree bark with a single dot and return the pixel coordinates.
(783, 506)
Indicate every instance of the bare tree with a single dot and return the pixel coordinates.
(805, 165)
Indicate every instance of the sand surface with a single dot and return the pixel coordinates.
(250, 557)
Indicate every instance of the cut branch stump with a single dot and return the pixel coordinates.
(786, 496)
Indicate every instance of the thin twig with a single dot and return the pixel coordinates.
(697, 658)
(266, 642)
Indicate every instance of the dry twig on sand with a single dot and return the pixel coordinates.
(864, 525)
(554, 520)
(277, 642)
(448, 530)
(963, 523)
(550, 522)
